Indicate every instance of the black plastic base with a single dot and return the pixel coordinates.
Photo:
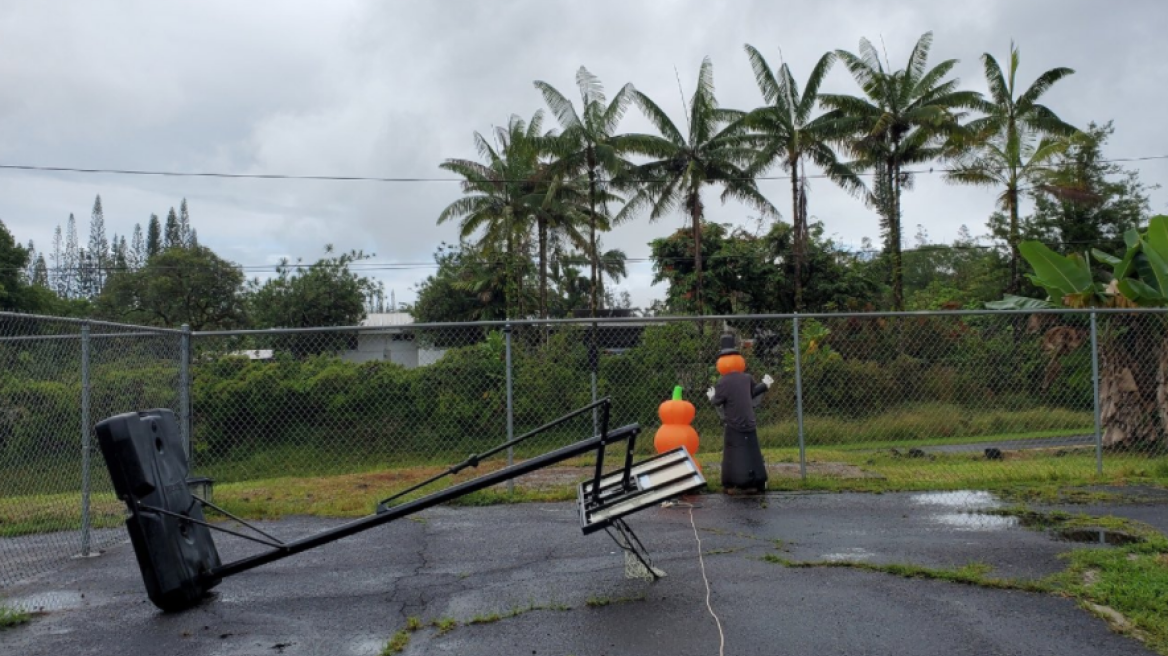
(144, 454)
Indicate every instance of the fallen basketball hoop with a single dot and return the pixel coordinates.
(179, 561)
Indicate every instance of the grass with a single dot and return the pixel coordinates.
(311, 480)
(47, 513)
(1033, 475)
(601, 602)
(970, 574)
(928, 424)
(10, 617)
(397, 644)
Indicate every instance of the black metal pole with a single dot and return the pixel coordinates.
(397, 512)
(475, 459)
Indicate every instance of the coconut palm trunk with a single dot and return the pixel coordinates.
(894, 235)
(1015, 254)
(799, 222)
(543, 268)
(695, 203)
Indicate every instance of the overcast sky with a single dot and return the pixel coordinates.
(391, 89)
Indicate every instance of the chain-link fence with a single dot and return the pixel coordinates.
(58, 378)
(911, 399)
(865, 401)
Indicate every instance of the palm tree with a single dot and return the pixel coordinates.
(788, 135)
(904, 117)
(1003, 151)
(588, 145)
(613, 263)
(500, 197)
(711, 154)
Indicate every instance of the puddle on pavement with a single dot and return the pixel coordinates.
(958, 499)
(1094, 536)
(847, 555)
(977, 521)
(47, 602)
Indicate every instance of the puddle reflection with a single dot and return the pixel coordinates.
(958, 499)
(977, 521)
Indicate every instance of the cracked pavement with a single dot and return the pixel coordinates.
(460, 563)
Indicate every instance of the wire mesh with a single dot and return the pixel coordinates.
(56, 500)
(943, 400)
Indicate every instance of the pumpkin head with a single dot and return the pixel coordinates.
(676, 415)
(676, 410)
(731, 363)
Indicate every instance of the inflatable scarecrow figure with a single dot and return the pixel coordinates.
(735, 396)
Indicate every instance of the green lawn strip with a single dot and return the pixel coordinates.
(1036, 436)
(11, 617)
(47, 513)
(971, 574)
(354, 495)
(925, 424)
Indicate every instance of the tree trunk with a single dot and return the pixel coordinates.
(894, 237)
(697, 228)
(1015, 254)
(543, 275)
(593, 301)
(1133, 384)
(799, 225)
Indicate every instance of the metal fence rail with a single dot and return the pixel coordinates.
(906, 399)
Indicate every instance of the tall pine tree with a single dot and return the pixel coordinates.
(72, 267)
(57, 277)
(40, 272)
(184, 225)
(153, 238)
(30, 270)
(173, 233)
(98, 251)
(137, 253)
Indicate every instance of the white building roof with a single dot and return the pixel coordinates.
(388, 319)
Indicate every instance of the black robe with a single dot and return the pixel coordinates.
(735, 396)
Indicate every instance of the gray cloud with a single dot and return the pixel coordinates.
(392, 89)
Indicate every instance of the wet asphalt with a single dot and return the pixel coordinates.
(567, 593)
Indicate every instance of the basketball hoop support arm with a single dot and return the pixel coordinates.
(388, 514)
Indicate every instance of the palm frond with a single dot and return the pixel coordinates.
(999, 90)
(616, 109)
(591, 90)
(764, 77)
(1042, 85)
(659, 119)
(810, 97)
(919, 59)
(561, 107)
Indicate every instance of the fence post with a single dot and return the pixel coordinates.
(593, 364)
(85, 440)
(1095, 388)
(510, 406)
(184, 395)
(799, 402)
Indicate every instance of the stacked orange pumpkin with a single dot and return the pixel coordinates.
(676, 429)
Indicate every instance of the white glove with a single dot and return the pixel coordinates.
(710, 394)
(767, 380)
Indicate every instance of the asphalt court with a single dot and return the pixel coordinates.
(521, 579)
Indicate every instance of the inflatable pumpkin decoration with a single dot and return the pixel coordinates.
(676, 429)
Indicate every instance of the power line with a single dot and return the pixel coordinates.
(421, 179)
(490, 261)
